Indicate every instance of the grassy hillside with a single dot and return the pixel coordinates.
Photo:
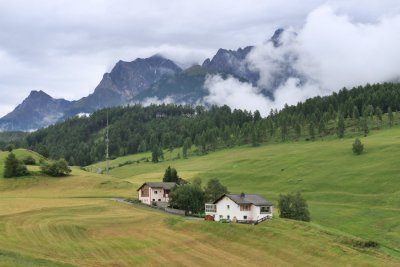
(79, 184)
(359, 195)
(72, 221)
(95, 232)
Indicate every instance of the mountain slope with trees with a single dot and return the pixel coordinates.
(136, 128)
(142, 80)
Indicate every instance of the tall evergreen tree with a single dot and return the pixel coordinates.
(298, 131)
(378, 112)
(356, 118)
(13, 167)
(391, 117)
(184, 150)
(214, 190)
(171, 175)
(311, 131)
(155, 154)
(340, 126)
(364, 126)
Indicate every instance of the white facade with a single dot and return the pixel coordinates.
(227, 209)
(148, 195)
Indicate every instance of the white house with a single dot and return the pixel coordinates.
(240, 208)
(155, 192)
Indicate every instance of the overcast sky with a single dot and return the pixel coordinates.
(64, 47)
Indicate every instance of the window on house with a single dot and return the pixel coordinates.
(265, 209)
(211, 208)
(220, 216)
(244, 217)
(228, 217)
(155, 192)
(154, 199)
(245, 207)
(227, 206)
(159, 199)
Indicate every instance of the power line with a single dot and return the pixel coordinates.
(107, 142)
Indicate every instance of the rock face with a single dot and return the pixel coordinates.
(37, 110)
(155, 78)
(126, 80)
(232, 62)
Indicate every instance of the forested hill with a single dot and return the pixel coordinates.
(135, 128)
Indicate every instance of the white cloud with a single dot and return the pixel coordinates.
(338, 52)
(63, 47)
(235, 94)
(157, 101)
(329, 52)
(241, 95)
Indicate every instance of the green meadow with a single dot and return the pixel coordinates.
(73, 221)
(358, 195)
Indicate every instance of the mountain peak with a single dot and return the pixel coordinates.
(276, 37)
(36, 94)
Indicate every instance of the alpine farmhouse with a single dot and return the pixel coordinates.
(155, 193)
(245, 208)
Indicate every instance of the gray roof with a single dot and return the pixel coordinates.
(167, 185)
(247, 199)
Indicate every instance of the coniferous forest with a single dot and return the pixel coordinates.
(133, 129)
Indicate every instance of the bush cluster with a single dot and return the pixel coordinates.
(57, 168)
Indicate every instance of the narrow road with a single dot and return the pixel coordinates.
(122, 200)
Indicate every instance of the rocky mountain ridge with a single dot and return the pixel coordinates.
(138, 81)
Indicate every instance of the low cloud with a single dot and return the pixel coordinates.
(329, 52)
(157, 101)
(235, 94)
(245, 96)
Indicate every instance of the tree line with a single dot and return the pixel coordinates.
(155, 128)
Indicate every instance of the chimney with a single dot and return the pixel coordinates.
(242, 195)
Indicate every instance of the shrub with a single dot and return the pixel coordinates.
(9, 147)
(56, 169)
(358, 147)
(365, 244)
(188, 197)
(29, 160)
(293, 206)
(13, 167)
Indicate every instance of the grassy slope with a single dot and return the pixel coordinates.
(54, 221)
(359, 195)
(94, 232)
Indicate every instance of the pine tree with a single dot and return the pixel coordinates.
(167, 175)
(340, 127)
(391, 117)
(298, 130)
(364, 125)
(321, 127)
(171, 175)
(358, 147)
(311, 131)
(356, 117)
(378, 112)
(13, 167)
(155, 154)
(184, 150)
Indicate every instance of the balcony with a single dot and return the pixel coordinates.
(211, 208)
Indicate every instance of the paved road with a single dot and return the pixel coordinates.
(122, 200)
